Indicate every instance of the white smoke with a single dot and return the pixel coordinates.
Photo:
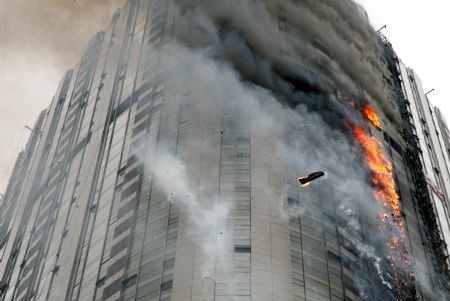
(226, 67)
(206, 220)
(319, 147)
(428, 289)
(370, 253)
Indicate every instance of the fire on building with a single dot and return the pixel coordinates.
(170, 164)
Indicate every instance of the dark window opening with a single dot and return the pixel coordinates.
(167, 285)
(121, 171)
(169, 263)
(242, 249)
(100, 282)
(130, 281)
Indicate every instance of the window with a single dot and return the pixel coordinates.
(436, 170)
(242, 249)
(130, 281)
(169, 263)
(101, 282)
(121, 171)
(167, 285)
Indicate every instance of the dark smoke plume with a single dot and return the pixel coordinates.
(321, 47)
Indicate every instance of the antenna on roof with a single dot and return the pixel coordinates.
(382, 28)
(429, 91)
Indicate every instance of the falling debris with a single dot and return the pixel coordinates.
(306, 181)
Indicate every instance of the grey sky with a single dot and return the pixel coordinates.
(41, 39)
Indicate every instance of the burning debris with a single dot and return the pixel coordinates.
(306, 181)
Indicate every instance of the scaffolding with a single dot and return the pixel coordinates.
(433, 242)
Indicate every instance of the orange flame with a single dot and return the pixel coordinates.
(384, 191)
(371, 115)
(381, 168)
(306, 184)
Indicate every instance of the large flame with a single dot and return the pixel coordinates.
(371, 115)
(384, 191)
(381, 168)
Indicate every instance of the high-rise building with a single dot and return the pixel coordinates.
(432, 135)
(166, 166)
(433, 138)
(9, 203)
(424, 134)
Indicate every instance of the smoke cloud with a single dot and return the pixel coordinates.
(289, 99)
(333, 50)
(206, 219)
(321, 46)
(284, 133)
